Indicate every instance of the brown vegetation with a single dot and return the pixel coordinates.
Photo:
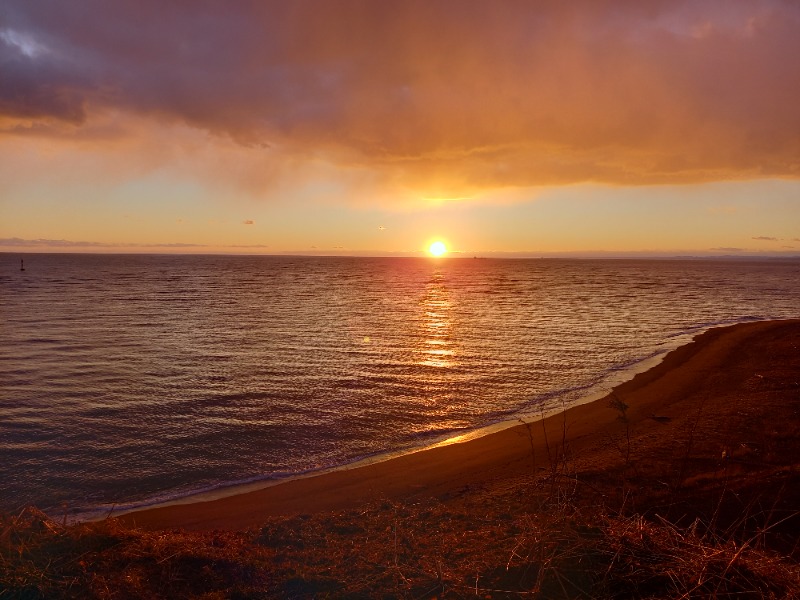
(388, 550)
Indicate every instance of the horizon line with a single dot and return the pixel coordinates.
(597, 254)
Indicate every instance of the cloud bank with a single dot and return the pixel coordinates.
(438, 96)
(63, 245)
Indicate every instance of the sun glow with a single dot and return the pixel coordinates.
(437, 248)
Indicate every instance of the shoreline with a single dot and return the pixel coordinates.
(591, 393)
(444, 469)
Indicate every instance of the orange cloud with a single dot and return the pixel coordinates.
(440, 97)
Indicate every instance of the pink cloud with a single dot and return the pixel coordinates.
(428, 95)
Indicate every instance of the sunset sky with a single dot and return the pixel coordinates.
(378, 126)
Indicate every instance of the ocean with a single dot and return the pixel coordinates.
(127, 380)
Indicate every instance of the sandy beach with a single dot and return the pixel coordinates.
(725, 404)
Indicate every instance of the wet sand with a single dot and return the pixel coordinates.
(726, 402)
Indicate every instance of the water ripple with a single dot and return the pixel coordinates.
(129, 378)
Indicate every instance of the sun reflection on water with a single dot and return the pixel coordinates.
(437, 348)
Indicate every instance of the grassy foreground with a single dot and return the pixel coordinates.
(461, 549)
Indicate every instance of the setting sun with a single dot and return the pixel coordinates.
(437, 248)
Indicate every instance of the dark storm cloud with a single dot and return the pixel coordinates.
(432, 92)
(34, 88)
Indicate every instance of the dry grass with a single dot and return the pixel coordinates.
(659, 560)
(495, 546)
(43, 559)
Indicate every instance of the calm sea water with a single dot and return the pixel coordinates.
(130, 379)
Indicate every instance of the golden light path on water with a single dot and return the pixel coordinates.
(437, 324)
(437, 348)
